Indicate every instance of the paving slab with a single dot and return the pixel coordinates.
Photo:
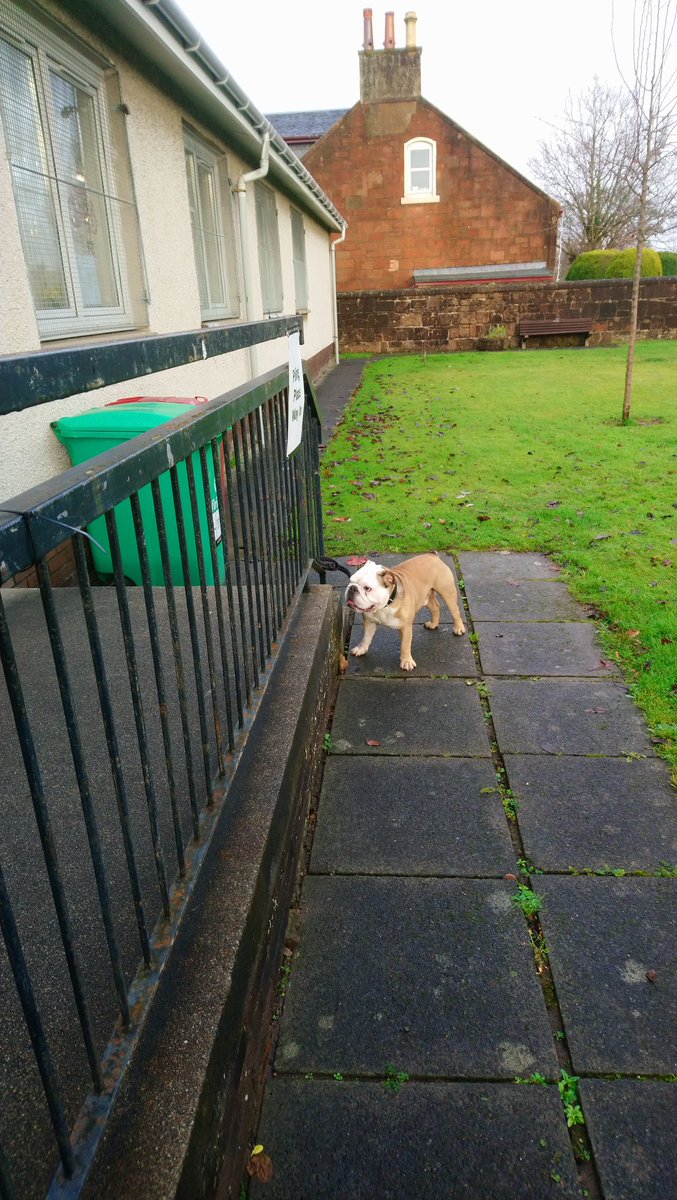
(436, 652)
(334, 1141)
(566, 716)
(504, 566)
(595, 812)
(335, 391)
(531, 600)
(409, 716)
(434, 975)
(411, 816)
(604, 935)
(543, 648)
(632, 1128)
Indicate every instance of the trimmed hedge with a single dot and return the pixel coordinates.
(668, 261)
(623, 265)
(592, 264)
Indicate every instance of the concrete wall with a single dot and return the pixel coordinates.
(448, 319)
(487, 213)
(29, 450)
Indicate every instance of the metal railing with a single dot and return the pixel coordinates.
(125, 711)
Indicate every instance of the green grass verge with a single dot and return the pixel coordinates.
(525, 451)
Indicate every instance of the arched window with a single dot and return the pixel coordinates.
(419, 172)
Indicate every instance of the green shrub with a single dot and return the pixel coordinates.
(623, 265)
(668, 261)
(592, 264)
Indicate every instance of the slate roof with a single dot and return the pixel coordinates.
(305, 126)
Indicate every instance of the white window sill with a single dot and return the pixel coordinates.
(420, 198)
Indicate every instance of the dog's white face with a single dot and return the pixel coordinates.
(367, 591)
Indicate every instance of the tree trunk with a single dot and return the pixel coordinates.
(634, 314)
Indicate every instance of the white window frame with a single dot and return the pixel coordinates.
(46, 51)
(199, 154)
(413, 195)
(268, 241)
(298, 242)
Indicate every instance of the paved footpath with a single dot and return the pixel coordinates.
(510, 756)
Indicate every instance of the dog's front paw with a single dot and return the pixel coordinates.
(459, 630)
(407, 664)
(358, 651)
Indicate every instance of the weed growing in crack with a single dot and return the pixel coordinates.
(528, 867)
(526, 899)
(510, 803)
(394, 1079)
(568, 1090)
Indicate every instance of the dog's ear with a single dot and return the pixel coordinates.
(388, 578)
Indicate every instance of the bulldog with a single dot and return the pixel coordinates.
(393, 596)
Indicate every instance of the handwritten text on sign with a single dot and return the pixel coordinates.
(296, 395)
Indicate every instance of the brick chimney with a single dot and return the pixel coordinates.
(391, 73)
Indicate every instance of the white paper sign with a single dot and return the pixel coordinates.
(296, 394)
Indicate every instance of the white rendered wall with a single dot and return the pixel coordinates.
(29, 449)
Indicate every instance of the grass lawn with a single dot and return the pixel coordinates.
(525, 451)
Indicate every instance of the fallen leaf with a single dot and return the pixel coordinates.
(513, 878)
(633, 633)
(651, 976)
(260, 1165)
(483, 517)
(356, 560)
(340, 518)
(343, 664)
(600, 537)
(372, 742)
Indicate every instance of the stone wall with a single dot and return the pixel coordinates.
(444, 319)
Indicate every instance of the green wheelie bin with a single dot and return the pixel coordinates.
(91, 433)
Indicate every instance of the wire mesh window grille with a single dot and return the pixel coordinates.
(212, 225)
(65, 138)
(268, 237)
(298, 240)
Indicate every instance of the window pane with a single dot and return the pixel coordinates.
(195, 227)
(78, 167)
(298, 239)
(270, 265)
(32, 187)
(420, 181)
(420, 157)
(210, 234)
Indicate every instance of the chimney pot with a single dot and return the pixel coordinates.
(410, 22)
(368, 30)
(390, 31)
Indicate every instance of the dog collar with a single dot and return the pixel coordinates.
(392, 595)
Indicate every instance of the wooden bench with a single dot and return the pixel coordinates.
(529, 329)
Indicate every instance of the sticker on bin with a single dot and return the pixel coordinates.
(216, 521)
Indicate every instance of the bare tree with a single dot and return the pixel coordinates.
(652, 89)
(589, 164)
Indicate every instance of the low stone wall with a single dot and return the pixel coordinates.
(445, 319)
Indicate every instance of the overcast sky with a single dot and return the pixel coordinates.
(501, 70)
